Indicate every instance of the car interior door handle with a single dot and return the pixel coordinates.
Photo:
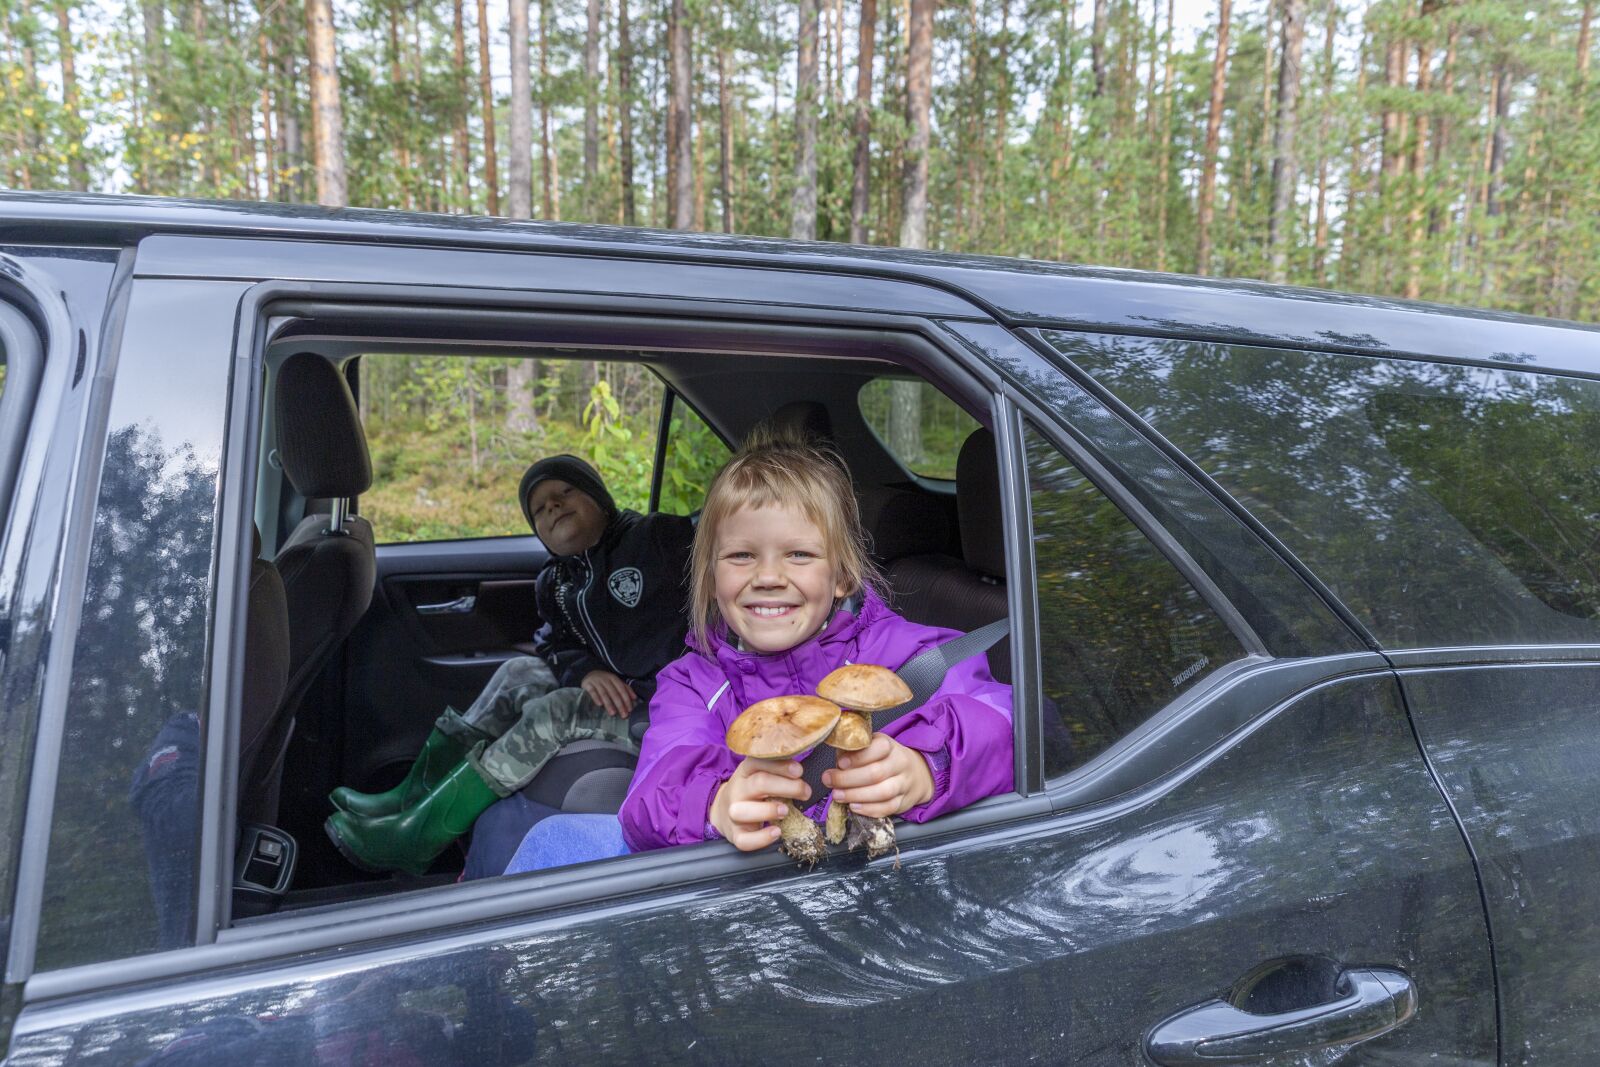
(459, 606)
(1218, 1033)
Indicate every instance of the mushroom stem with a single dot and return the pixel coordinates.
(800, 838)
(876, 835)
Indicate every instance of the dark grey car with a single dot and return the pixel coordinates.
(1305, 607)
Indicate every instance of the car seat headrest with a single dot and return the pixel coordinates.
(320, 440)
(806, 419)
(978, 505)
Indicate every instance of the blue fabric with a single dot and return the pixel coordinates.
(568, 839)
(498, 832)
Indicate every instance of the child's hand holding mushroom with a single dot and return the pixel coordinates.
(750, 805)
(885, 778)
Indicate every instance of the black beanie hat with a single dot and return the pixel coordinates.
(572, 470)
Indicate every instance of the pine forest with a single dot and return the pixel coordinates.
(1444, 150)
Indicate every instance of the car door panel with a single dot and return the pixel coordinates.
(444, 617)
(1516, 747)
(1314, 834)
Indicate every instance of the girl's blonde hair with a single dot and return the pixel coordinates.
(779, 467)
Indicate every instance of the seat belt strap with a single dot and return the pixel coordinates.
(923, 674)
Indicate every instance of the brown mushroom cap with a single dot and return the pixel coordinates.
(864, 687)
(780, 727)
(852, 733)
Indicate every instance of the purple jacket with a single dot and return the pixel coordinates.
(965, 727)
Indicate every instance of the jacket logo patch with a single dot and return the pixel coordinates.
(627, 585)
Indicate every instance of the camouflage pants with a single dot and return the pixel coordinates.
(522, 718)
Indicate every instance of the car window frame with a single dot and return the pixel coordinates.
(264, 305)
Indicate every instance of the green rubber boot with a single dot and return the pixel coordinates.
(440, 755)
(409, 840)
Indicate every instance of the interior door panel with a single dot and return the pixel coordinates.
(444, 616)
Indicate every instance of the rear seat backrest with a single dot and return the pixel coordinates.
(963, 594)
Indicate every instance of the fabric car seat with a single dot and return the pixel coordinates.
(963, 594)
(327, 562)
(266, 674)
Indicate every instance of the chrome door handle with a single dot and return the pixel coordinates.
(459, 606)
(1217, 1033)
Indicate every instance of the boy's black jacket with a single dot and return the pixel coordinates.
(622, 605)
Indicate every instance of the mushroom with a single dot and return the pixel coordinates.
(862, 688)
(781, 728)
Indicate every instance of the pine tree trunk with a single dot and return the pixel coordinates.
(462, 142)
(919, 98)
(1319, 241)
(861, 184)
(1165, 135)
(519, 194)
(725, 127)
(1419, 150)
(1097, 48)
(1497, 141)
(625, 111)
(77, 166)
(1208, 165)
(591, 111)
(1441, 135)
(521, 415)
(547, 176)
(803, 214)
(680, 80)
(491, 176)
(1285, 160)
(326, 109)
(268, 126)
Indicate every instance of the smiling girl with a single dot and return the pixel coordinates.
(778, 552)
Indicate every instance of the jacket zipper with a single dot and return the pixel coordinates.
(583, 611)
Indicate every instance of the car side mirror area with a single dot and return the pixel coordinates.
(263, 869)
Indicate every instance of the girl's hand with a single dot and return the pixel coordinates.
(614, 696)
(885, 778)
(748, 805)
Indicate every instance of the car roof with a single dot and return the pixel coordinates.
(1018, 292)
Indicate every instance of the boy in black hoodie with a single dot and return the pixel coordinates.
(612, 599)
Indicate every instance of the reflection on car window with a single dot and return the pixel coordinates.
(120, 868)
(1121, 631)
(1443, 504)
(919, 425)
(451, 435)
(694, 455)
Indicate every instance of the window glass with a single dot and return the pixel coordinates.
(1121, 632)
(450, 437)
(694, 455)
(1444, 505)
(120, 870)
(919, 425)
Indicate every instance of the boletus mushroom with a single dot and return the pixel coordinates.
(781, 728)
(861, 689)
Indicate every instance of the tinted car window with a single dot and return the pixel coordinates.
(1443, 504)
(119, 874)
(450, 436)
(1121, 631)
(923, 428)
(693, 456)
